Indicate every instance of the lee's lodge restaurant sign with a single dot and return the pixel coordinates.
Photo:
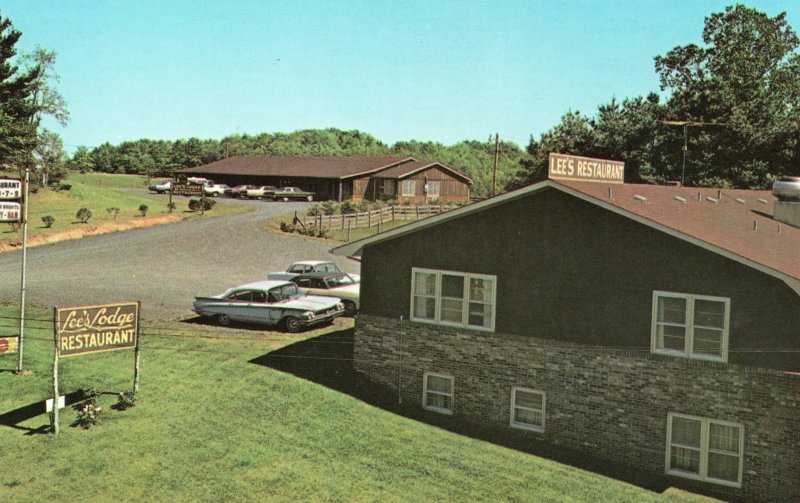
(573, 167)
(96, 328)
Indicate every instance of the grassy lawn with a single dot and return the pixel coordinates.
(209, 425)
(98, 192)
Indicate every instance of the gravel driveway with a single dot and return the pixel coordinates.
(165, 266)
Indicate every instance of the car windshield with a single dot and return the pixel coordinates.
(284, 292)
(337, 281)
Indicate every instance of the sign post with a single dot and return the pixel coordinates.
(92, 329)
(11, 210)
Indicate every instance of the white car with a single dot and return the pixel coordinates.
(278, 303)
(215, 189)
(161, 187)
(309, 266)
(331, 284)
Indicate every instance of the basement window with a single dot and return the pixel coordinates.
(437, 393)
(705, 449)
(453, 298)
(691, 326)
(527, 409)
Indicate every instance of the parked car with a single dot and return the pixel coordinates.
(309, 266)
(161, 187)
(238, 191)
(293, 193)
(263, 192)
(331, 284)
(274, 303)
(215, 189)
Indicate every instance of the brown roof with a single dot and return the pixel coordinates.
(410, 168)
(738, 221)
(311, 167)
(735, 223)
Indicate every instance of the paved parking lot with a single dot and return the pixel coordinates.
(164, 267)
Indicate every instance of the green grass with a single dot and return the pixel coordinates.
(355, 234)
(97, 192)
(209, 426)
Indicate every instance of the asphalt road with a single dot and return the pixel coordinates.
(165, 266)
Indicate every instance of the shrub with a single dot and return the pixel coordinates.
(348, 207)
(15, 226)
(83, 215)
(125, 400)
(113, 211)
(143, 209)
(328, 208)
(48, 221)
(199, 205)
(171, 207)
(88, 416)
(64, 186)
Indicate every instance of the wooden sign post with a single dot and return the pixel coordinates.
(92, 329)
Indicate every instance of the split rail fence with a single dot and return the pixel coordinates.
(372, 218)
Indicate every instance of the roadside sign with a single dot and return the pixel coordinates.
(10, 189)
(91, 329)
(187, 189)
(573, 167)
(8, 344)
(10, 212)
(48, 404)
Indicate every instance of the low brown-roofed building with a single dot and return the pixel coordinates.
(343, 178)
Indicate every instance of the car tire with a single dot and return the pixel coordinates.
(310, 198)
(285, 199)
(223, 319)
(350, 308)
(292, 324)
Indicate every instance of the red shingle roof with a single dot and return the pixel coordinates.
(311, 167)
(737, 221)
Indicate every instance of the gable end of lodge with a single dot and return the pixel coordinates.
(651, 328)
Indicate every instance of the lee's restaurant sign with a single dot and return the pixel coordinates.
(96, 328)
(573, 167)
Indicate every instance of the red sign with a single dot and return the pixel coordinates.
(573, 167)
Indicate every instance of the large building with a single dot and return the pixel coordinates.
(344, 178)
(654, 327)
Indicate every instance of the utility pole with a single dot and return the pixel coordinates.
(496, 158)
(686, 125)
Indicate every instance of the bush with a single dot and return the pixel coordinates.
(348, 207)
(328, 208)
(48, 221)
(113, 211)
(314, 210)
(83, 215)
(88, 416)
(199, 205)
(171, 207)
(143, 209)
(125, 400)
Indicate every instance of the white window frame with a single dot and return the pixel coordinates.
(437, 319)
(514, 407)
(705, 425)
(440, 410)
(688, 351)
(433, 188)
(409, 188)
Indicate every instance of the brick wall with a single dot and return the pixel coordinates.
(609, 403)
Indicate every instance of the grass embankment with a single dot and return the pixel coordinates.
(209, 425)
(98, 192)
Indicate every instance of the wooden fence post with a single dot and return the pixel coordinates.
(349, 229)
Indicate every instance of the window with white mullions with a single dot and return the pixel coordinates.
(705, 449)
(527, 409)
(438, 393)
(694, 326)
(453, 298)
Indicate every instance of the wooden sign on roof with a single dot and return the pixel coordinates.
(573, 167)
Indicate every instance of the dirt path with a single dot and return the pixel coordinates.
(164, 267)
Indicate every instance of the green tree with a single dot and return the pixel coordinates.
(744, 84)
(17, 133)
(50, 158)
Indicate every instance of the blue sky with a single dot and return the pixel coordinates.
(442, 71)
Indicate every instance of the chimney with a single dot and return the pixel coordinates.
(787, 207)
